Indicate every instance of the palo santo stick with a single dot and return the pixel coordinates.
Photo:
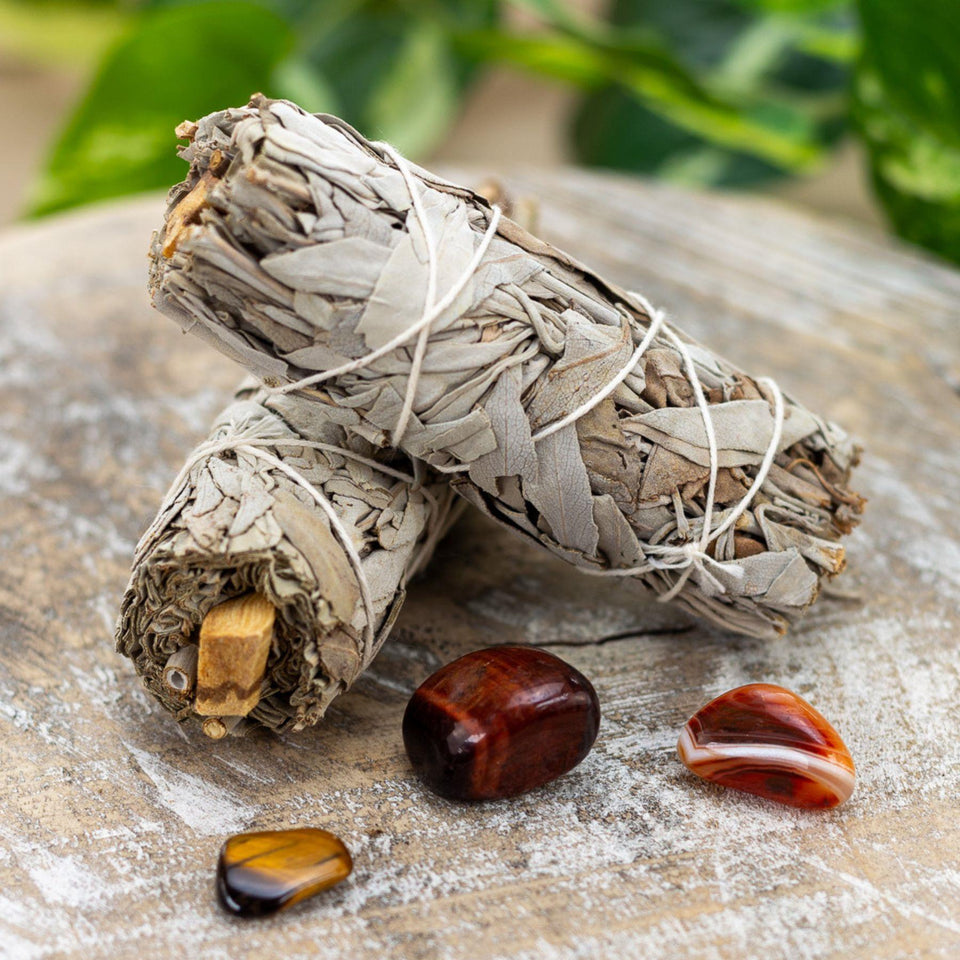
(235, 639)
(180, 673)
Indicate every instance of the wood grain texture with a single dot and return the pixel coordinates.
(111, 816)
(235, 639)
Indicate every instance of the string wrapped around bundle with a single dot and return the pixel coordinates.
(558, 403)
(275, 567)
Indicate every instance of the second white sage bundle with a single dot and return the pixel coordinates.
(557, 402)
(285, 506)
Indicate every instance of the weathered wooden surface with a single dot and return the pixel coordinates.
(111, 816)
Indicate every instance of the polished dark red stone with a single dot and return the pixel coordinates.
(499, 722)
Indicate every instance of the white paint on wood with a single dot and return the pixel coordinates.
(111, 815)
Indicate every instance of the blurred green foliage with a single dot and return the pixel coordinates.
(762, 56)
(58, 33)
(118, 139)
(907, 109)
(714, 92)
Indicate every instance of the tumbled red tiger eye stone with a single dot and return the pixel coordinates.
(763, 739)
(499, 722)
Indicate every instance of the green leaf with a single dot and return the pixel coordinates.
(297, 80)
(773, 132)
(915, 49)
(355, 48)
(395, 74)
(415, 100)
(612, 129)
(907, 107)
(915, 173)
(840, 44)
(793, 6)
(316, 18)
(757, 63)
(558, 15)
(174, 64)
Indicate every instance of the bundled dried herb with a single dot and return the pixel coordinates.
(558, 403)
(242, 519)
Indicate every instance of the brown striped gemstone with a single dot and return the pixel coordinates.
(763, 739)
(261, 873)
(499, 722)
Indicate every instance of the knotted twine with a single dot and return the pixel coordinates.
(313, 256)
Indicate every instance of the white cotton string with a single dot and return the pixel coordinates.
(430, 242)
(206, 449)
(437, 529)
(428, 317)
(656, 322)
(689, 556)
(765, 464)
(350, 455)
(438, 511)
(212, 447)
(431, 311)
(686, 557)
(441, 510)
(342, 534)
(333, 448)
(252, 446)
(693, 556)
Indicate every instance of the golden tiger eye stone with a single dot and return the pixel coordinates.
(261, 873)
(763, 739)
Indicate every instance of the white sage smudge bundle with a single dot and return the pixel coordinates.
(282, 503)
(558, 403)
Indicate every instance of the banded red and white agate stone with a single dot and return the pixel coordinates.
(764, 739)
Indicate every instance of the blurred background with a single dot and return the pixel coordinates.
(847, 106)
